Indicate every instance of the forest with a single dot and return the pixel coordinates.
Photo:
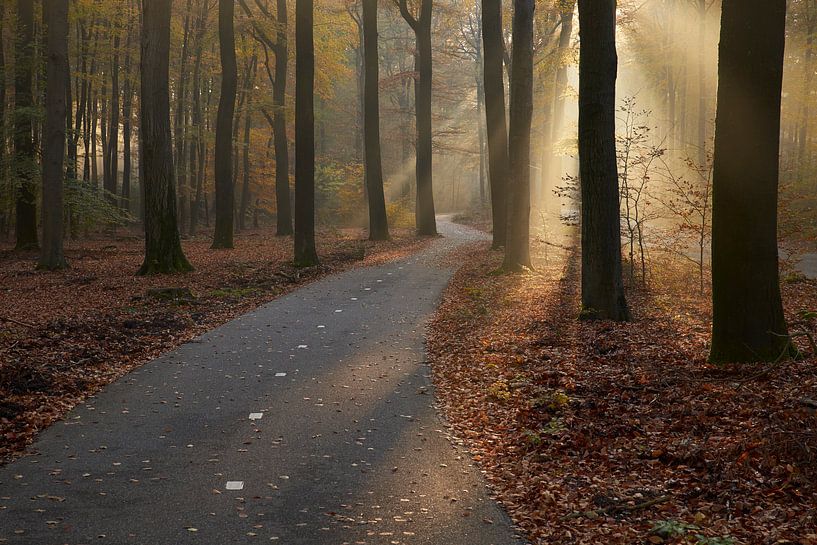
(408, 271)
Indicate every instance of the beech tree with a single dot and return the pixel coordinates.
(56, 108)
(24, 165)
(305, 253)
(602, 285)
(517, 247)
(378, 222)
(225, 190)
(748, 323)
(163, 249)
(495, 121)
(423, 64)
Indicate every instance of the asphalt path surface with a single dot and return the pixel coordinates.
(310, 420)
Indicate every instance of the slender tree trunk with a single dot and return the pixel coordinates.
(423, 65)
(560, 87)
(517, 247)
(225, 191)
(305, 252)
(178, 124)
(748, 322)
(378, 222)
(25, 162)
(245, 190)
(127, 113)
(602, 286)
(111, 185)
(495, 117)
(804, 153)
(702, 102)
(197, 166)
(282, 193)
(163, 249)
(480, 83)
(56, 109)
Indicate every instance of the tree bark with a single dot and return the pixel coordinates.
(112, 150)
(602, 285)
(178, 124)
(56, 110)
(560, 87)
(378, 222)
(127, 114)
(517, 246)
(163, 249)
(495, 117)
(305, 253)
(225, 191)
(423, 65)
(25, 161)
(748, 323)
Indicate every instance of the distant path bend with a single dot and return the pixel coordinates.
(316, 408)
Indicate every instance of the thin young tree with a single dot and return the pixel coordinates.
(56, 112)
(517, 246)
(305, 253)
(163, 249)
(496, 124)
(423, 65)
(378, 222)
(748, 323)
(225, 191)
(24, 165)
(602, 285)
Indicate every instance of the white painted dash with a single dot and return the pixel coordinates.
(280, 374)
(235, 485)
(256, 416)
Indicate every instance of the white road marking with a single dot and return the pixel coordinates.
(280, 374)
(256, 416)
(235, 485)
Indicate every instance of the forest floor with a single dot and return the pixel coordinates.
(64, 336)
(622, 433)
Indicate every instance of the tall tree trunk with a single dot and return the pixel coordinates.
(495, 118)
(423, 66)
(225, 191)
(178, 124)
(804, 152)
(480, 83)
(305, 252)
(197, 139)
(163, 249)
(517, 247)
(245, 189)
(127, 113)
(56, 109)
(378, 222)
(25, 161)
(111, 185)
(282, 193)
(602, 285)
(560, 86)
(747, 321)
(702, 102)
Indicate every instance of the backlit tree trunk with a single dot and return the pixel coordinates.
(305, 252)
(163, 250)
(496, 124)
(378, 222)
(225, 190)
(56, 109)
(517, 246)
(421, 25)
(602, 286)
(748, 322)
